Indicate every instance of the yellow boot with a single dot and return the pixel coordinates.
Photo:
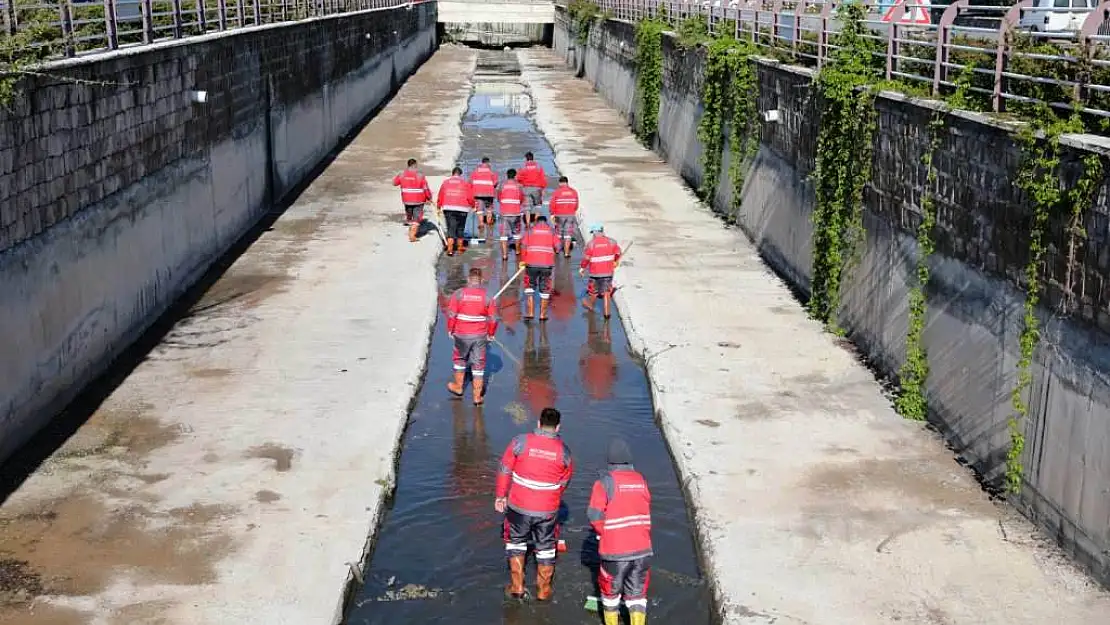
(637, 618)
(456, 385)
(611, 618)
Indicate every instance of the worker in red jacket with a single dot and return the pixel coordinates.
(483, 181)
(601, 258)
(539, 260)
(534, 473)
(471, 324)
(564, 211)
(534, 180)
(414, 194)
(620, 514)
(510, 199)
(455, 203)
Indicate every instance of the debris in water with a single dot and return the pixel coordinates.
(410, 592)
(392, 578)
(677, 578)
(518, 412)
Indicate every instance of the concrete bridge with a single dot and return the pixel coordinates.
(498, 22)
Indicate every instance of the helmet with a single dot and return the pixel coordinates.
(596, 227)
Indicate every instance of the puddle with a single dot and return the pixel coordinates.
(438, 556)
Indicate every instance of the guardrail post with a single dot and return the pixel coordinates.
(177, 21)
(892, 36)
(1011, 18)
(239, 13)
(148, 21)
(776, 11)
(1089, 28)
(257, 12)
(67, 26)
(944, 35)
(9, 18)
(202, 16)
(221, 6)
(823, 37)
(111, 33)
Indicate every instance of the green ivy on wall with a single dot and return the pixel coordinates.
(846, 90)
(649, 77)
(730, 93)
(584, 14)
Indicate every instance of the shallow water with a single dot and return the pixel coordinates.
(439, 555)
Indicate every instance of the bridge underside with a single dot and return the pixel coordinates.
(497, 23)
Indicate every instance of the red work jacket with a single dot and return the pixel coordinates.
(510, 198)
(532, 175)
(620, 513)
(414, 187)
(470, 312)
(455, 195)
(484, 181)
(564, 201)
(535, 470)
(539, 246)
(600, 256)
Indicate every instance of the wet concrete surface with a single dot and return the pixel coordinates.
(439, 555)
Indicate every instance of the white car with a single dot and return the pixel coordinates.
(1056, 16)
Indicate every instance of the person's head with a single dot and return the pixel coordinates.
(412, 162)
(528, 156)
(596, 229)
(485, 160)
(474, 276)
(510, 174)
(619, 452)
(563, 180)
(456, 171)
(549, 419)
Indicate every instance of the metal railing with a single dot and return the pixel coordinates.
(1022, 53)
(45, 29)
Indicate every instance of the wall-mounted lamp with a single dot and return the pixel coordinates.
(199, 97)
(771, 116)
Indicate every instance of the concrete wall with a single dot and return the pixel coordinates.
(116, 196)
(975, 306)
(497, 22)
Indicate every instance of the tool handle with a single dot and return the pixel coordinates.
(510, 281)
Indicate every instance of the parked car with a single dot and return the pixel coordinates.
(1056, 16)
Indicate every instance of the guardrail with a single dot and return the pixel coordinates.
(44, 29)
(1001, 55)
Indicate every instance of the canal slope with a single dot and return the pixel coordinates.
(439, 557)
(815, 503)
(234, 473)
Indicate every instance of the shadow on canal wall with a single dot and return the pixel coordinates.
(975, 308)
(126, 190)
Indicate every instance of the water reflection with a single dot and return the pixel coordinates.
(597, 363)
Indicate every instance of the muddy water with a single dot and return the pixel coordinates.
(439, 556)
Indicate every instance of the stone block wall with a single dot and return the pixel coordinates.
(118, 190)
(975, 302)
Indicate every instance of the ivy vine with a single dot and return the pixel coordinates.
(846, 88)
(584, 14)
(730, 92)
(649, 77)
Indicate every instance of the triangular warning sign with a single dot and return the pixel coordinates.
(916, 14)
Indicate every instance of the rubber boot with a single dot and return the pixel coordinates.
(515, 589)
(412, 233)
(637, 618)
(545, 574)
(611, 617)
(450, 247)
(543, 310)
(478, 385)
(530, 307)
(605, 305)
(504, 250)
(456, 385)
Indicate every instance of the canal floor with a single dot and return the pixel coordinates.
(438, 555)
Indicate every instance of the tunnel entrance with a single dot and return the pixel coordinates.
(438, 555)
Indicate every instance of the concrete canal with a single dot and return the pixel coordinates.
(438, 556)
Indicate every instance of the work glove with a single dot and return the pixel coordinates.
(522, 265)
(581, 271)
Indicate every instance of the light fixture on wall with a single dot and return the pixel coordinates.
(198, 97)
(771, 116)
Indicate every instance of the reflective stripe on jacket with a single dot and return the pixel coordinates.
(564, 201)
(539, 246)
(600, 256)
(620, 513)
(535, 470)
(414, 187)
(532, 175)
(483, 181)
(510, 198)
(455, 195)
(470, 312)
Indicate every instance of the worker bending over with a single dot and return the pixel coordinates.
(483, 181)
(534, 473)
(534, 180)
(510, 199)
(564, 208)
(455, 202)
(620, 513)
(414, 194)
(539, 260)
(471, 324)
(601, 258)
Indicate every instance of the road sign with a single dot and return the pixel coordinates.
(918, 13)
